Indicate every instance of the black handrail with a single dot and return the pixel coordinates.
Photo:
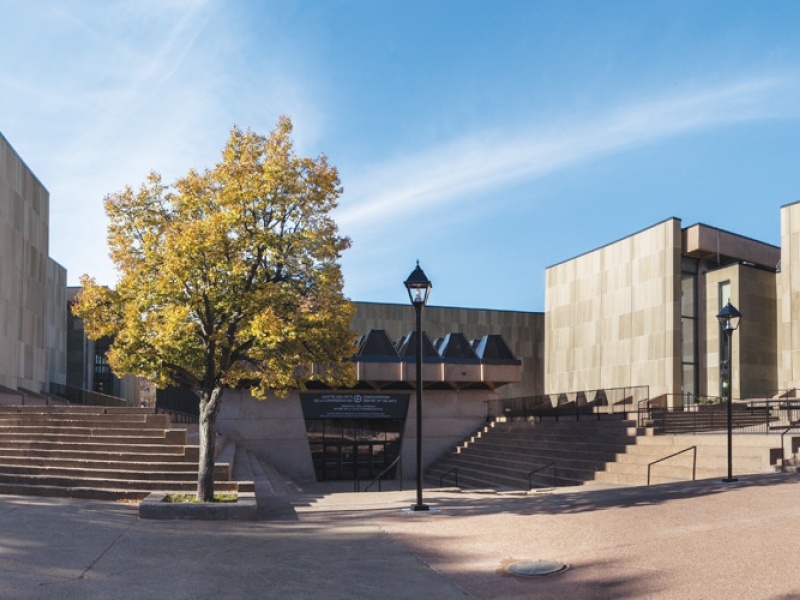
(639, 411)
(555, 474)
(85, 397)
(441, 478)
(785, 431)
(575, 405)
(398, 460)
(694, 462)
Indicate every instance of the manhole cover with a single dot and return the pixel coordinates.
(536, 568)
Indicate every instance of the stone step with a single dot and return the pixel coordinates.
(517, 473)
(116, 484)
(96, 436)
(76, 409)
(47, 460)
(686, 440)
(158, 453)
(750, 465)
(121, 422)
(477, 479)
(96, 447)
(113, 494)
(95, 471)
(101, 453)
(561, 430)
(561, 457)
(535, 446)
(650, 453)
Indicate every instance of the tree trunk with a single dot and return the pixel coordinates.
(209, 408)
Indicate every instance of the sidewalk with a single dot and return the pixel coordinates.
(689, 540)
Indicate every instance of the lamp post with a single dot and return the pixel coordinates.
(419, 288)
(729, 322)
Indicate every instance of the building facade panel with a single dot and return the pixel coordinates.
(788, 288)
(24, 289)
(522, 331)
(625, 294)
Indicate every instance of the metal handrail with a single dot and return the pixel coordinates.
(576, 404)
(694, 462)
(441, 478)
(785, 431)
(555, 474)
(398, 460)
(86, 397)
(639, 411)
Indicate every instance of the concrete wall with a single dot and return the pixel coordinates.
(275, 428)
(788, 284)
(754, 344)
(56, 341)
(522, 331)
(24, 213)
(612, 316)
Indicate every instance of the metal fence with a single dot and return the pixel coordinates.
(85, 397)
(181, 403)
(681, 414)
(576, 405)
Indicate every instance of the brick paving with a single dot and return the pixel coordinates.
(700, 539)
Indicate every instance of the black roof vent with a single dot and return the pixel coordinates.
(456, 348)
(492, 349)
(376, 346)
(407, 348)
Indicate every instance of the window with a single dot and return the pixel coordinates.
(724, 367)
(689, 358)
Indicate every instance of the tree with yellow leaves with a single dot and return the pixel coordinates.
(229, 278)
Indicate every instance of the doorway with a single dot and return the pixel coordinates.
(349, 449)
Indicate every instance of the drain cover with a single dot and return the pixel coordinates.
(536, 568)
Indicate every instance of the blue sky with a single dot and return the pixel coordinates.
(489, 140)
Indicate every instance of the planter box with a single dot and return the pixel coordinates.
(155, 506)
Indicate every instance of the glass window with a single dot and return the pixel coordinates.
(688, 296)
(724, 294)
(724, 367)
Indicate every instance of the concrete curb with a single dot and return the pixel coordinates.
(154, 506)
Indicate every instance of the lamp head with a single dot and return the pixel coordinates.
(418, 286)
(729, 317)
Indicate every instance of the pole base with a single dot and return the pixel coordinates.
(419, 507)
(730, 480)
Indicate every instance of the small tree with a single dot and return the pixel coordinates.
(229, 278)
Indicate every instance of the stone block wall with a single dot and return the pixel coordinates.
(788, 285)
(522, 331)
(754, 344)
(24, 268)
(612, 315)
(275, 429)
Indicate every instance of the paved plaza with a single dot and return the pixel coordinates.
(704, 539)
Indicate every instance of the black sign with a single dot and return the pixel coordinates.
(351, 405)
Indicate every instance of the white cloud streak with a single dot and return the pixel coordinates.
(402, 189)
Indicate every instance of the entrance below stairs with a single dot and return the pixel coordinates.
(353, 449)
(354, 435)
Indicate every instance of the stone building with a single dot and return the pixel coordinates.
(33, 318)
(641, 311)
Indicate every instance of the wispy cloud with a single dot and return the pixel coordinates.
(401, 189)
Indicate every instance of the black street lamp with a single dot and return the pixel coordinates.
(729, 322)
(419, 288)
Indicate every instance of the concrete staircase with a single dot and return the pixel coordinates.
(701, 418)
(98, 453)
(503, 453)
(752, 453)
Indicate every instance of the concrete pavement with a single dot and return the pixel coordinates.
(689, 540)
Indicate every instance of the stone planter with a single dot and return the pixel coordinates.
(155, 506)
